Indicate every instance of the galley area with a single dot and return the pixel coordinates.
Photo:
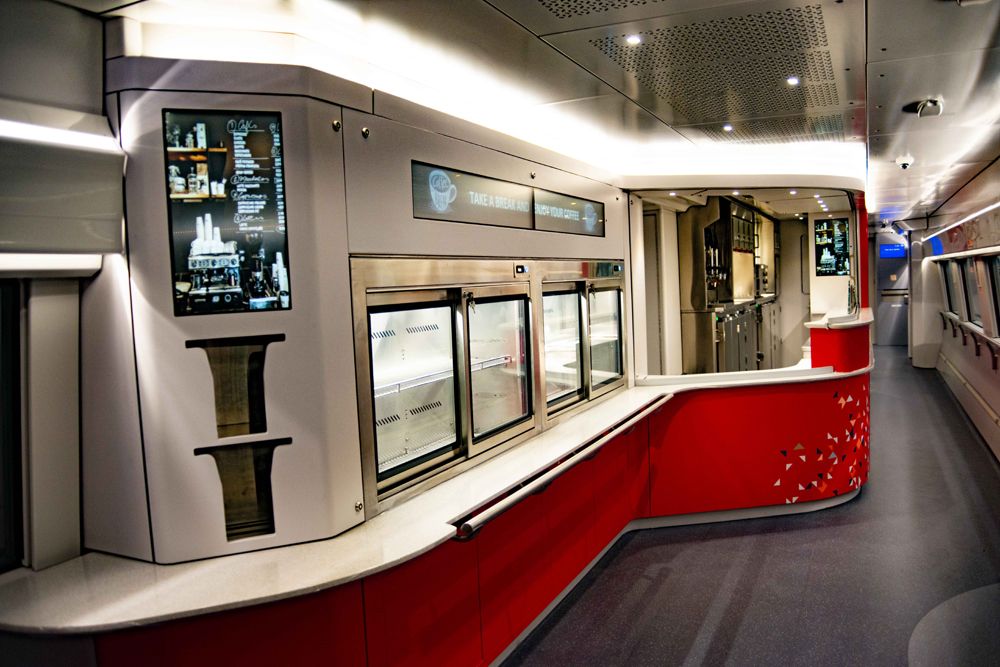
(379, 385)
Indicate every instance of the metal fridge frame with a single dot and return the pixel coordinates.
(379, 280)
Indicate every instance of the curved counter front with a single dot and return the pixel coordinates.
(401, 590)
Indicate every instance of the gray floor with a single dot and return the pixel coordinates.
(844, 586)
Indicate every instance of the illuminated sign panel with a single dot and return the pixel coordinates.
(457, 196)
(571, 215)
(892, 250)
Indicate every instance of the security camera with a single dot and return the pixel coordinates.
(905, 161)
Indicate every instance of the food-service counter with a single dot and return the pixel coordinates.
(455, 574)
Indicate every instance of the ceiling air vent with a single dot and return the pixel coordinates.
(567, 9)
(781, 130)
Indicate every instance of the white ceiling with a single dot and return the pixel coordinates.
(560, 73)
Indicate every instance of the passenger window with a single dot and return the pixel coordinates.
(949, 290)
(955, 287)
(972, 291)
(993, 265)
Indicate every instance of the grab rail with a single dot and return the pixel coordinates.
(470, 527)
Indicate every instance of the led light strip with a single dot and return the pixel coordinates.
(50, 135)
(963, 220)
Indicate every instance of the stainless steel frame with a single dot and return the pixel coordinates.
(379, 281)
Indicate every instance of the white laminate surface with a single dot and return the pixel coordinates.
(843, 321)
(99, 592)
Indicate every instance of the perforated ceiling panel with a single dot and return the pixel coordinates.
(736, 67)
(565, 9)
(781, 130)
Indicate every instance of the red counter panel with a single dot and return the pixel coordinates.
(844, 349)
(326, 628)
(514, 573)
(638, 469)
(569, 509)
(612, 506)
(425, 612)
(755, 446)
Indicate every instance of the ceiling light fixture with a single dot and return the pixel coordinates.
(727, 128)
(791, 192)
(816, 196)
(51, 135)
(736, 192)
(633, 39)
(964, 220)
(673, 194)
(793, 80)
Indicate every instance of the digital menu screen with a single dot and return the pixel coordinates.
(226, 201)
(571, 215)
(833, 247)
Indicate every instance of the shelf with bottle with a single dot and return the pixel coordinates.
(172, 149)
(196, 197)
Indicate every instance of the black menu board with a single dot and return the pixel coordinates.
(833, 247)
(226, 201)
(458, 196)
(571, 215)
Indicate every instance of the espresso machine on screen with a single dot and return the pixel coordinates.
(215, 270)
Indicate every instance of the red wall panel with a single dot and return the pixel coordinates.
(325, 628)
(569, 510)
(755, 446)
(514, 573)
(426, 611)
(844, 349)
(859, 200)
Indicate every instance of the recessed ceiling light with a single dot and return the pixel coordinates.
(736, 192)
(830, 216)
(727, 128)
(793, 80)
(816, 196)
(633, 39)
(673, 194)
(791, 192)
(820, 201)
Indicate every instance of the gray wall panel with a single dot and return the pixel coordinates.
(380, 209)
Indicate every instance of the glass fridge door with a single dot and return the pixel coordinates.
(562, 319)
(414, 389)
(499, 367)
(606, 366)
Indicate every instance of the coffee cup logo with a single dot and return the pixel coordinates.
(590, 215)
(443, 193)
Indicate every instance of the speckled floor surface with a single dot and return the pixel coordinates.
(843, 586)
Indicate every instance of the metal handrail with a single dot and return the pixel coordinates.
(470, 527)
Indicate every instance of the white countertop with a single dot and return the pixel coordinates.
(98, 592)
(862, 318)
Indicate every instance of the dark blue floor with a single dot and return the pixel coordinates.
(843, 586)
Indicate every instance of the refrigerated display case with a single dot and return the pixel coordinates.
(606, 366)
(446, 350)
(562, 315)
(499, 370)
(416, 416)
